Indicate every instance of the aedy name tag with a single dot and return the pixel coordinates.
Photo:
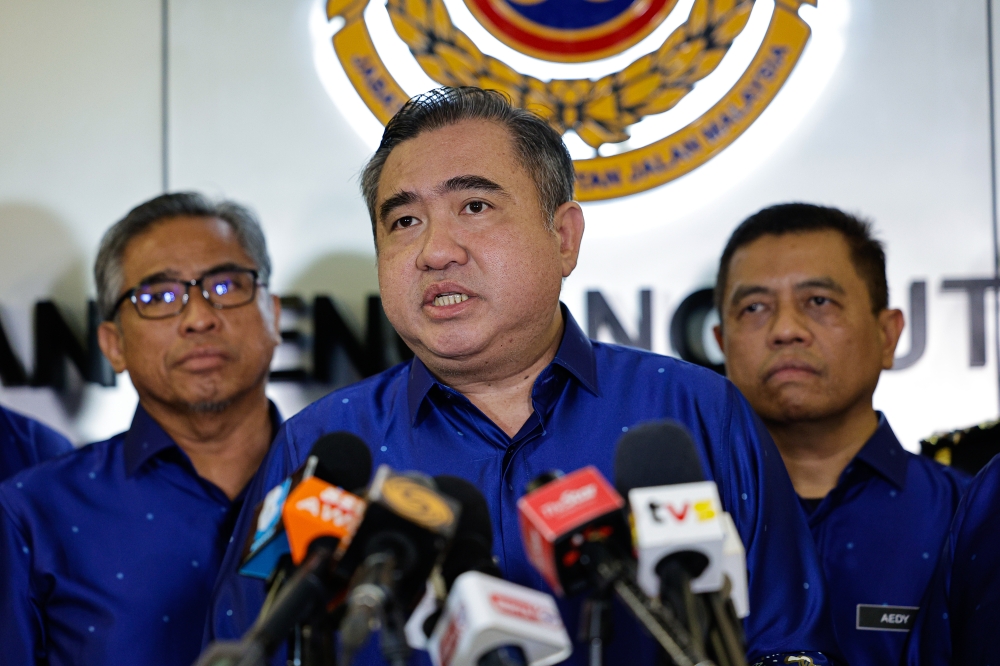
(886, 618)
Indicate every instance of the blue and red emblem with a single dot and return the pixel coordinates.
(570, 30)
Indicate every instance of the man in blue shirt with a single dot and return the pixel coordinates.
(25, 442)
(806, 330)
(958, 623)
(475, 228)
(108, 555)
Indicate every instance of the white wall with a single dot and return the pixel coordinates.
(899, 133)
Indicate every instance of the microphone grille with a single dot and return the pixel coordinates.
(658, 453)
(343, 460)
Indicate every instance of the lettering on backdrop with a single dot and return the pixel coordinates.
(329, 351)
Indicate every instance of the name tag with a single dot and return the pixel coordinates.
(886, 618)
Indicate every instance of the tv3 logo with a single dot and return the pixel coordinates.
(701, 510)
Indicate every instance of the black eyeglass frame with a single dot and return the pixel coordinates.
(130, 295)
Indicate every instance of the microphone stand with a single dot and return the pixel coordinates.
(595, 626)
(725, 631)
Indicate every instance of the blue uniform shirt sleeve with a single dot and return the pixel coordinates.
(25, 442)
(788, 611)
(961, 610)
(21, 627)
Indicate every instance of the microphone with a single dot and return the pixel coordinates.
(685, 543)
(488, 621)
(576, 536)
(317, 516)
(331, 459)
(406, 527)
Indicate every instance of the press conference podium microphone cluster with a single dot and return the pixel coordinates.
(360, 561)
(687, 586)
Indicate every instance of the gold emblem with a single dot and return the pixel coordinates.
(598, 111)
(416, 502)
(801, 660)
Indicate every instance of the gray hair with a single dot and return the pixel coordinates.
(108, 270)
(538, 147)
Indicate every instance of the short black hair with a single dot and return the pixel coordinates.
(108, 269)
(867, 253)
(538, 147)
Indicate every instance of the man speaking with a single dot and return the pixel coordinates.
(475, 228)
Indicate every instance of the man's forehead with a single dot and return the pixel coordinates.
(806, 253)
(181, 246)
(428, 160)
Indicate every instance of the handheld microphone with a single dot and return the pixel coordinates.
(488, 621)
(576, 536)
(406, 527)
(686, 544)
(331, 460)
(316, 517)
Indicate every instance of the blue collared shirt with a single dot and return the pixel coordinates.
(958, 624)
(108, 555)
(879, 533)
(25, 442)
(583, 401)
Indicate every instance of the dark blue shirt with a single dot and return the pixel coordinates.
(108, 555)
(584, 400)
(958, 624)
(25, 442)
(878, 534)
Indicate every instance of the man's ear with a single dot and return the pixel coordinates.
(567, 223)
(276, 324)
(112, 344)
(717, 332)
(891, 324)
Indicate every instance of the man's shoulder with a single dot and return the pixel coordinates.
(658, 371)
(84, 467)
(39, 440)
(357, 406)
(938, 475)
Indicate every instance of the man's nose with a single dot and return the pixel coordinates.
(790, 326)
(441, 247)
(199, 316)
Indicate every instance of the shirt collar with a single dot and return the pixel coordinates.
(575, 354)
(146, 439)
(883, 453)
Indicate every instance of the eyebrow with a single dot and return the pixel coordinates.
(395, 201)
(456, 184)
(171, 275)
(822, 283)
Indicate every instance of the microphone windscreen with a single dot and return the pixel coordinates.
(343, 460)
(659, 453)
(472, 547)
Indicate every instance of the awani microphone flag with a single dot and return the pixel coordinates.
(484, 613)
(317, 509)
(554, 522)
(675, 518)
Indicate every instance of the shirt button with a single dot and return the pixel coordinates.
(510, 486)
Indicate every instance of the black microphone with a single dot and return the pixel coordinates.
(485, 620)
(312, 516)
(681, 534)
(407, 525)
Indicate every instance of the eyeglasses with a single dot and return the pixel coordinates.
(229, 288)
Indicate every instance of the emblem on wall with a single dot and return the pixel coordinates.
(599, 110)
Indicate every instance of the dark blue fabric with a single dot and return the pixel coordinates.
(961, 612)
(108, 555)
(584, 401)
(25, 442)
(879, 533)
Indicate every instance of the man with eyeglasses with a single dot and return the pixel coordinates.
(109, 554)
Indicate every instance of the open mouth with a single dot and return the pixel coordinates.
(450, 298)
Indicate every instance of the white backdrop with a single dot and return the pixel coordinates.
(890, 122)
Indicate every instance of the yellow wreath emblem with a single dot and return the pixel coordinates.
(598, 111)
